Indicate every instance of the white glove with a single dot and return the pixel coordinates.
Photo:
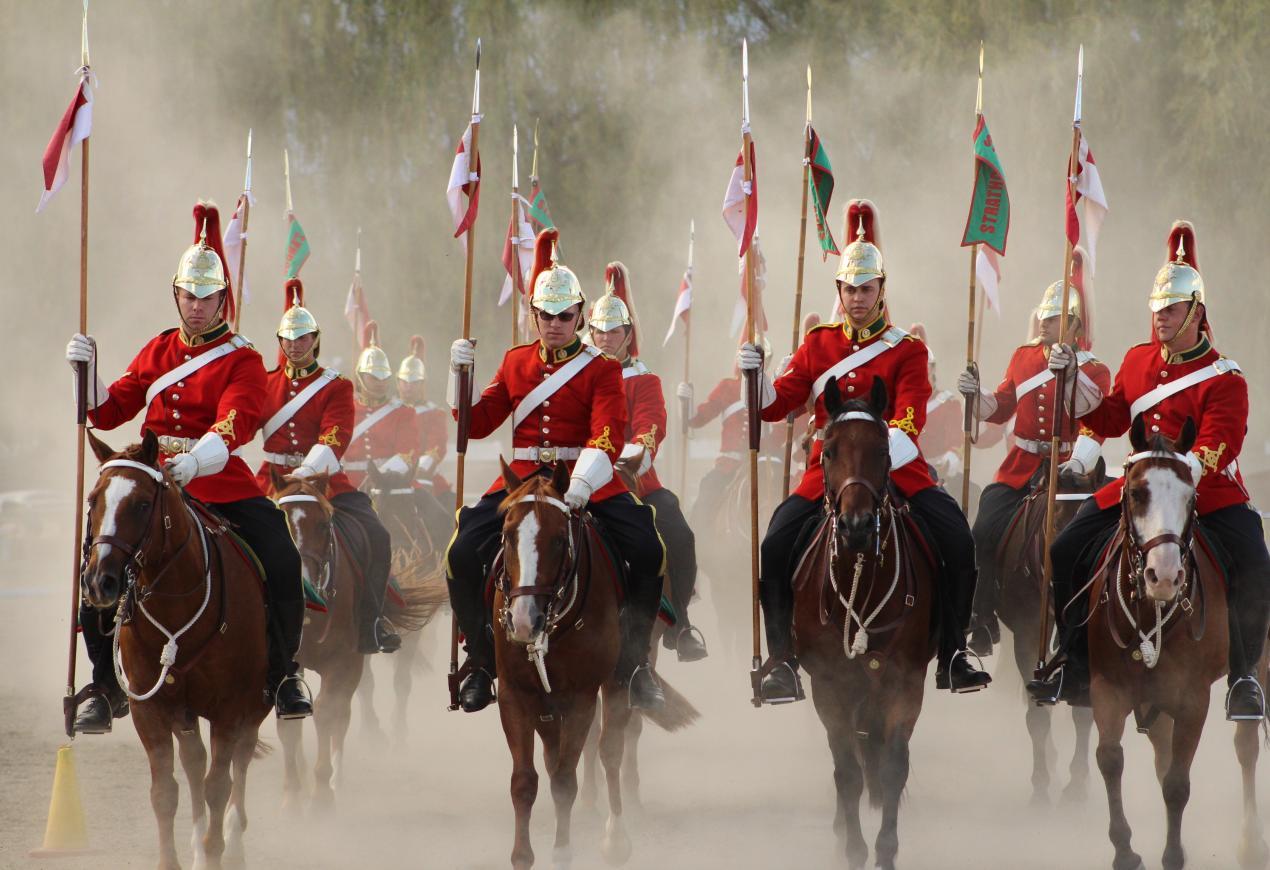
(395, 465)
(183, 467)
(903, 449)
(684, 391)
(1197, 467)
(302, 472)
(80, 349)
(427, 463)
(462, 353)
(1062, 359)
(951, 464)
(968, 383)
(749, 357)
(1072, 466)
(578, 493)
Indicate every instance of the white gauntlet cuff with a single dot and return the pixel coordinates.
(1086, 451)
(594, 467)
(211, 454)
(321, 459)
(903, 448)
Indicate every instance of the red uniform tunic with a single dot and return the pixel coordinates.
(944, 419)
(725, 400)
(1034, 411)
(326, 418)
(432, 422)
(1219, 407)
(223, 396)
(903, 368)
(394, 433)
(646, 418)
(589, 410)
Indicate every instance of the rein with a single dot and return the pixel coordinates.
(329, 556)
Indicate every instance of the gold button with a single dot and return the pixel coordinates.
(1164, 374)
(293, 392)
(546, 444)
(178, 427)
(1040, 407)
(291, 424)
(295, 384)
(176, 415)
(546, 403)
(547, 419)
(545, 430)
(855, 347)
(187, 356)
(1155, 428)
(176, 397)
(850, 389)
(180, 383)
(1042, 431)
(851, 374)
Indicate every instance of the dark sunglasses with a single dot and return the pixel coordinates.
(563, 316)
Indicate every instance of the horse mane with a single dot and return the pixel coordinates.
(301, 486)
(536, 485)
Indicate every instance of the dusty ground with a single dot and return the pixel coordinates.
(741, 789)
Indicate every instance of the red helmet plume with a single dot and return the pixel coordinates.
(544, 246)
(370, 334)
(206, 213)
(860, 211)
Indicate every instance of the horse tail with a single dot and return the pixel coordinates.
(871, 760)
(263, 749)
(419, 601)
(676, 714)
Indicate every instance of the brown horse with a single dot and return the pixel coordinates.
(556, 584)
(185, 646)
(1158, 641)
(420, 527)
(1021, 560)
(864, 598)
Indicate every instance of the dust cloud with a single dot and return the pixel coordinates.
(639, 128)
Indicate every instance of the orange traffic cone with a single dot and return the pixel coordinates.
(65, 833)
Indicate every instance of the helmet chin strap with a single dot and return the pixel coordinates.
(217, 319)
(1186, 322)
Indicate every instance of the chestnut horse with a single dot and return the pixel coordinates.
(1021, 559)
(185, 646)
(864, 599)
(1158, 641)
(556, 583)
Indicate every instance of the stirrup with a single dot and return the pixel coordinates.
(305, 692)
(1046, 690)
(630, 688)
(1261, 698)
(759, 674)
(690, 631)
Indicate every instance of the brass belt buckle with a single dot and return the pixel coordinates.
(547, 454)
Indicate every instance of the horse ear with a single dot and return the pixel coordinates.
(1138, 435)
(319, 481)
(276, 480)
(374, 475)
(560, 476)
(101, 449)
(878, 400)
(510, 480)
(1187, 439)
(833, 398)
(149, 447)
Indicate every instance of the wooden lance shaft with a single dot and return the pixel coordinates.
(798, 305)
(242, 264)
(972, 402)
(1056, 433)
(755, 433)
(81, 420)
(685, 410)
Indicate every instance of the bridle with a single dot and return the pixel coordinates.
(881, 499)
(328, 553)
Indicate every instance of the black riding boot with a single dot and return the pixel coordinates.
(643, 597)
(781, 684)
(286, 684)
(468, 601)
(1249, 622)
(110, 703)
(684, 637)
(1066, 676)
(955, 672)
(374, 633)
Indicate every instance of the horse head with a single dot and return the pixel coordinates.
(856, 460)
(121, 517)
(538, 550)
(1158, 506)
(309, 517)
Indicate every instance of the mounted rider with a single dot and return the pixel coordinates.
(865, 345)
(386, 431)
(1028, 394)
(308, 414)
(433, 421)
(201, 387)
(1176, 375)
(567, 404)
(942, 436)
(614, 330)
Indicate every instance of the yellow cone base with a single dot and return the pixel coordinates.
(66, 833)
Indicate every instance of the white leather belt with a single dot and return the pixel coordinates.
(1041, 448)
(171, 445)
(546, 454)
(355, 465)
(290, 460)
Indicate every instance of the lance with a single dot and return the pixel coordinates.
(242, 255)
(798, 285)
(286, 177)
(463, 378)
(359, 299)
(972, 402)
(685, 404)
(752, 377)
(81, 400)
(518, 278)
(1073, 165)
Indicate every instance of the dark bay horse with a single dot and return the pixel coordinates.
(864, 599)
(1158, 641)
(556, 585)
(1021, 559)
(189, 641)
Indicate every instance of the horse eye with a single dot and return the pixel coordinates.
(827, 453)
(145, 505)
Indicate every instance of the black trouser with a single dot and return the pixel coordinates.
(710, 495)
(681, 551)
(264, 527)
(948, 534)
(1237, 533)
(356, 505)
(628, 523)
(997, 506)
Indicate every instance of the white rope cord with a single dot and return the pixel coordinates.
(536, 649)
(860, 644)
(1150, 644)
(167, 658)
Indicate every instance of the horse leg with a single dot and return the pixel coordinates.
(1161, 736)
(562, 767)
(1109, 716)
(591, 765)
(405, 661)
(1077, 788)
(156, 737)
(341, 713)
(236, 816)
(616, 846)
(366, 702)
(194, 761)
(323, 795)
(225, 739)
(848, 776)
(894, 775)
(291, 733)
(1038, 718)
(518, 727)
(1253, 853)
(1176, 783)
(630, 763)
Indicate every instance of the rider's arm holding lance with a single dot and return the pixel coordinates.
(996, 406)
(338, 416)
(648, 422)
(594, 467)
(110, 407)
(709, 409)
(912, 392)
(486, 410)
(789, 393)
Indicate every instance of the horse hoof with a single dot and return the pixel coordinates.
(1174, 860)
(1040, 799)
(323, 802)
(234, 856)
(1076, 792)
(1131, 861)
(562, 858)
(616, 847)
(1253, 855)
